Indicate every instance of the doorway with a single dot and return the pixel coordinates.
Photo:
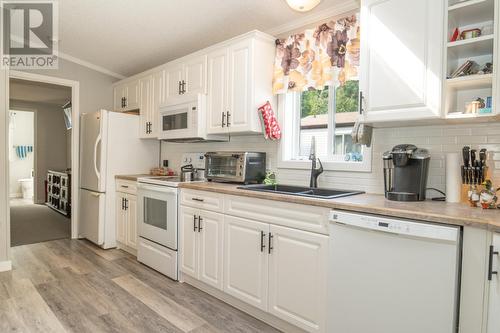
(40, 155)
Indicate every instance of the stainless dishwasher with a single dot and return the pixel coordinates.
(392, 276)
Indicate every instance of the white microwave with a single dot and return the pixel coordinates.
(185, 121)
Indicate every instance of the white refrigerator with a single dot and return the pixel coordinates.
(109, 146)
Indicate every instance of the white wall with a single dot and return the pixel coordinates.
(21, 133)
(438, 139)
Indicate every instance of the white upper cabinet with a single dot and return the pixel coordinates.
(402, 43)
(186, 78)
(239, 82)
(127, 96)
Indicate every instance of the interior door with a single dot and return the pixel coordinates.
(195, 76)
(92, 142)
(131, 209)
(188, 249)
(217, 91)
(297, 287)
(245, 261)
(402, 46)
(239, 86)
(210, 248)
(92, 214)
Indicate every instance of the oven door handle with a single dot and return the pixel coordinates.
(156, 188)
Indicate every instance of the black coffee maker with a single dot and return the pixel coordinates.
(406, 168)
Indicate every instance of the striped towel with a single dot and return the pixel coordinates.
(22, 151)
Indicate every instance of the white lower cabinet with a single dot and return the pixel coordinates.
(276, 269)
(201, 234)
(494, 290)
(126, 220)
(246, 261)
(297, 277)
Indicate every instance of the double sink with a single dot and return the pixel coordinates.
(320, 193)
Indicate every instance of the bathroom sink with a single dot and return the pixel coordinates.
(321, 193)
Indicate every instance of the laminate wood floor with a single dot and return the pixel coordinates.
(72, 286)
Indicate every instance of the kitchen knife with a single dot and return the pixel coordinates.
(466, 156)
(478, 175)
(482, 156)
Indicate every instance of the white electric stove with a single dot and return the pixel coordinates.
(158, 219)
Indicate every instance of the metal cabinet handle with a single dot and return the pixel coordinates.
(199, 223)
(183, 85)
(197, 199)
(270, 248)
(223, 119)
(490, 263)
(262, 245)
(124, 101)
(179, 89)
(124, 186)
(227, 120)
(194, 223)
(126, 204)
(360, 102)
(123, 203)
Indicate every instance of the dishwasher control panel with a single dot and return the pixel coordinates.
(396, 226)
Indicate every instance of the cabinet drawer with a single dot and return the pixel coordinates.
(303, 217)
(126, 186)
(201, 199)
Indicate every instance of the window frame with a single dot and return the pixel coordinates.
(289, 146)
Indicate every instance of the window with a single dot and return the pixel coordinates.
(328, 115)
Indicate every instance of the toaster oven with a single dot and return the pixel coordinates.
(235, 167)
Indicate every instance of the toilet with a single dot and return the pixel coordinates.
(27, 187)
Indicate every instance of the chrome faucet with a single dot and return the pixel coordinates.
(315, 170)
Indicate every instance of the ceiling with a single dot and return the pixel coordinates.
(130, 36)
(30, 91)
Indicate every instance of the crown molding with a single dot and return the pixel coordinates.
(312, 18)
(90, 65)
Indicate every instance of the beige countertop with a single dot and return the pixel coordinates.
(132, 177)
(431, 211)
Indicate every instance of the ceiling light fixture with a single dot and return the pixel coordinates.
(302, 5)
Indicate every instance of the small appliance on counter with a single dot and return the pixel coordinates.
(235, 167)
(406, 168)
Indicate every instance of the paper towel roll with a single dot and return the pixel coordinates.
(453, 177)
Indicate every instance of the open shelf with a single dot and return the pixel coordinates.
(473, 47)
(476, 81)
(471, 12)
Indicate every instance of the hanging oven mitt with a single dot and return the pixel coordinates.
(271, 127)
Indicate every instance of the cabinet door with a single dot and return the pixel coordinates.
(132, 221)
(145, 105)
(402, 48)
(494, 296)
(187, 241)
(157, 98)
(121, 218)
(217, 91)
(173, 77)
(210, 248)
(245, 262)
(133, 95)
(195, 76)
(239, 86)
(119, 92)
(297, 277)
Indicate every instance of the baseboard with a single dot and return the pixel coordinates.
(5, 266)
(240, 305)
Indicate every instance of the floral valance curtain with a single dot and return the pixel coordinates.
(325, 56)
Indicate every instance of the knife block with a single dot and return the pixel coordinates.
(464, 195)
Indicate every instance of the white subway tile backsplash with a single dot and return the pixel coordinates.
(439, 140)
